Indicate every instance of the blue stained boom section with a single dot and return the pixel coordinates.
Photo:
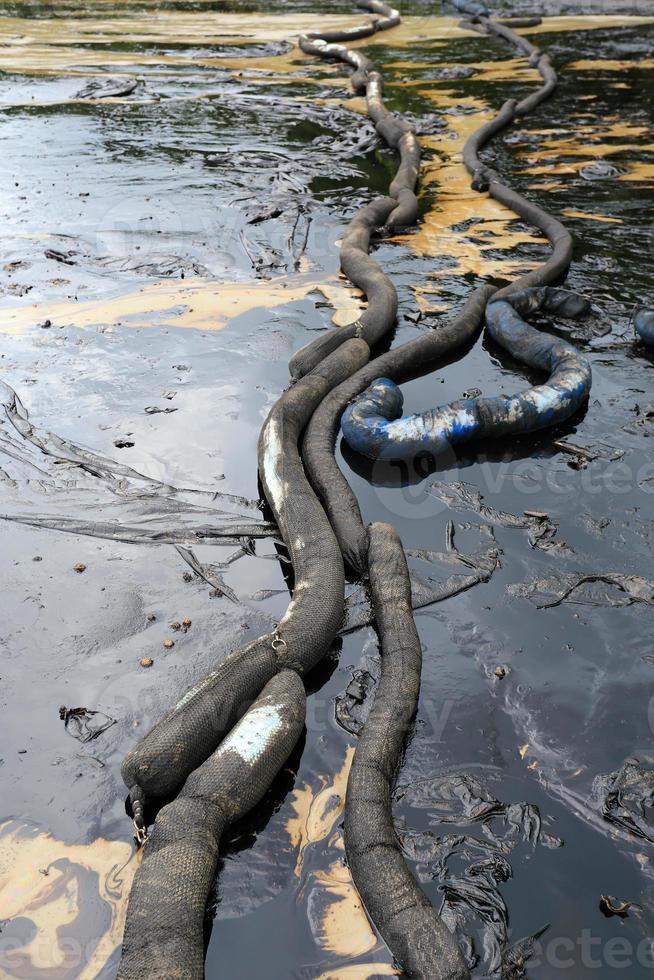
(373, 424)
(471, 8)
(644, 325)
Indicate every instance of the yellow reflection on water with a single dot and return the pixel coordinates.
(71, 900)
(338, 919)
(202, 304)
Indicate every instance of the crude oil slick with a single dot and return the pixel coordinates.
(176, 178)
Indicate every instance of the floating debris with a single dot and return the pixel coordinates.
(347, 707)
(108, 88)
(634, 587)
(461, 799)
(426, 591)
(65, 257)
(587, 454)
(610, 906)
(463, 496)
(208, 573)
(84, 724)
(514, 959)
(626, 798)
(599, 170)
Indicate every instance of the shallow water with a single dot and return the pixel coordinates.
(180, 241)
